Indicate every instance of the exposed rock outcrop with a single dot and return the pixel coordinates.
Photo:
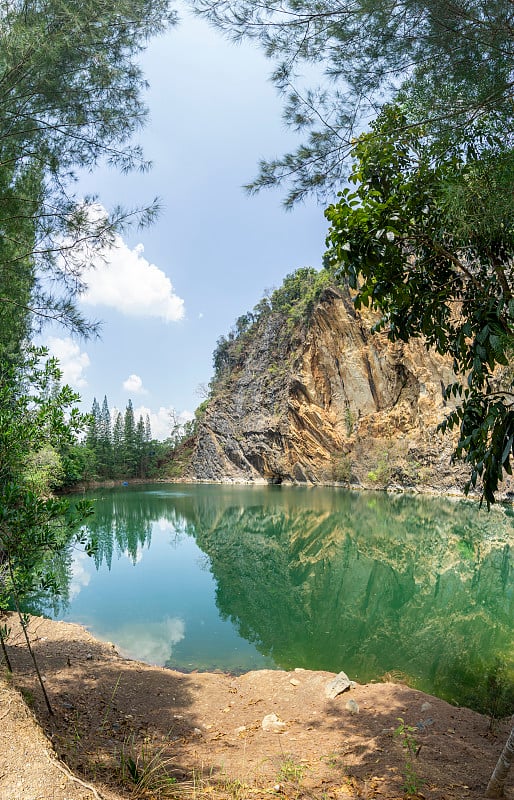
(328, 400)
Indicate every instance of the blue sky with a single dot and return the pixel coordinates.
(168, 292)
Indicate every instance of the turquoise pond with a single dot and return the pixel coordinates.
(238, 578)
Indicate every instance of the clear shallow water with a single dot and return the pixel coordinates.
(239, 578)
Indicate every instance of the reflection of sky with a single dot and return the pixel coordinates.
(139, 554)
(81, 568)
(150, 641)
(318, 578)
(160, 609)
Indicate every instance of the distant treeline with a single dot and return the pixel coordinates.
(118, 447)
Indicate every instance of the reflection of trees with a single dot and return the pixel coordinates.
(45, 602)
(381, 584)
(325, 579)
(123, 522)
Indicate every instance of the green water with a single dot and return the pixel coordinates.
(239, 578)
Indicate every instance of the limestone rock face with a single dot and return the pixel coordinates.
(329, 401)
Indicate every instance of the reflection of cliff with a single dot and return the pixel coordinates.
(326, 579)
(380, 585)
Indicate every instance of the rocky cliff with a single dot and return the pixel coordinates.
(324, 399)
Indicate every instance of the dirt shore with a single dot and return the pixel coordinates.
(122, 728)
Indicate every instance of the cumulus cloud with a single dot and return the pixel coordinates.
(161, 420)
(185, 416)
(71, 361)
(134, 384)
(124, 279)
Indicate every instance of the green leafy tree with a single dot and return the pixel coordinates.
(222, 358)
(34, 417)
(44, 471)
(78, 464)
(418, 240)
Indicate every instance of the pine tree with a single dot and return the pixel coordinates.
(141, 448)
(453, 59)
(93, 432)
(71, 96)
(104, 445)
(129, 442)
(117, 446)
(149, 448)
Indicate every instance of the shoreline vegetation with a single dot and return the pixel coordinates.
(455, 492)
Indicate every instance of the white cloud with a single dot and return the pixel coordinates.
(134, 384)
(161, 420)
(71, 361)
(185, 416)
(125, 280)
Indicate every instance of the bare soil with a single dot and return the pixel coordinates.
(113, 716)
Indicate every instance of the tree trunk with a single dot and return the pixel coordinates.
(497, 782)
(27, 639)
(4, 650)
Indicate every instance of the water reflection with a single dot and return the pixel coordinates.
(153, 641)
(323, 579)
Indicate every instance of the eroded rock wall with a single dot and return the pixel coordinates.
(329, 401)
